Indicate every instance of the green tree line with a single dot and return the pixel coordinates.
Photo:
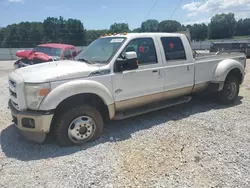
(72, 31)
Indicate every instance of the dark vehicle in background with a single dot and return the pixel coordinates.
(248, 50)
(45, 53)
(235, 46)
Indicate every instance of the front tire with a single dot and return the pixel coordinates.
(230, 91)
(78, 125)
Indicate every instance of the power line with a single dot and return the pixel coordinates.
(196, 10)
(152, 8)
(9, 6)
(175, 10)
(12, 3)
(215, 10)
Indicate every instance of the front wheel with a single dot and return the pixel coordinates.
(78, 125)
(230, 90)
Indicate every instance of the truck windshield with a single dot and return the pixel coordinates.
(101, 50)
(49, 50)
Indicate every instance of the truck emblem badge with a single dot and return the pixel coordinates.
(118, 91)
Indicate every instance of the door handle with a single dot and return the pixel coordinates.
(155, 71)
(188, 68)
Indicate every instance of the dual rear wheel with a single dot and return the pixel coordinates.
(230, 90)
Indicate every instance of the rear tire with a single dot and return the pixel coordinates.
(78, 125)
(230, 91)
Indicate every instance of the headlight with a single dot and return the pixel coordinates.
(35, 94)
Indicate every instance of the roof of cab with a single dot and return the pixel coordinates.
(56, 45)
(132, 35)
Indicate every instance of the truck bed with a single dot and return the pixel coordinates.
(206, 64)
(206, 56)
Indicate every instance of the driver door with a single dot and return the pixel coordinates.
(144, 85)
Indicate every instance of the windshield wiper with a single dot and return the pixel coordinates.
(83, 59)
(101, 62)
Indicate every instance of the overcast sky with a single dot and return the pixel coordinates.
(99, 14)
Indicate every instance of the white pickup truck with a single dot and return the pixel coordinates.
(114, 78)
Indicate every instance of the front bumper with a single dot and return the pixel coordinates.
(33, 125)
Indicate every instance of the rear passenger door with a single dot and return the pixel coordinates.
(178, 71)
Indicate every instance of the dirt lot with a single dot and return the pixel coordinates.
(199, 144)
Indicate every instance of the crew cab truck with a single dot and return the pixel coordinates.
(116, 77)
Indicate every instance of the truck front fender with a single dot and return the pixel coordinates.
(66, 90)
(224, 67)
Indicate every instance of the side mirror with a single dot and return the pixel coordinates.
(130, 55)
(130, 62)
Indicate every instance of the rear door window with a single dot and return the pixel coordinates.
(67, 54)
(173, 48)
(73, 52)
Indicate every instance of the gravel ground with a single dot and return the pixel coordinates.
(199, 144)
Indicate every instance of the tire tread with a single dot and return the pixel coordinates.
(63, 122)
(222, 95)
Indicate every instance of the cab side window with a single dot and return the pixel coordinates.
(73, 52)
(67, 54)
(145, 49)
(173, 48)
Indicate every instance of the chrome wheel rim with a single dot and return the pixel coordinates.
(81, 129)
(231, 90)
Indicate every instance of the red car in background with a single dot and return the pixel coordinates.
(45, 53)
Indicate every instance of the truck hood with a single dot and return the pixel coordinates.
(56, 71)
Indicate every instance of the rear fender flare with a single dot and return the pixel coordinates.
(224, 67)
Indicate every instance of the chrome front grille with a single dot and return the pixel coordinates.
(15, 105)
(13, 94)
(12, 83)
